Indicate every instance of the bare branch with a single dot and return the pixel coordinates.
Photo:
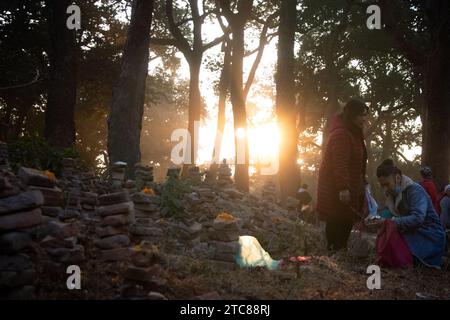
(181, 42)
(262, 45)
(216, 41)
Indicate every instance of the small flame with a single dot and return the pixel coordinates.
(225, 217)
(50, 175)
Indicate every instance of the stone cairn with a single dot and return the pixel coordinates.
(20, 214)
(143, 175)
(117, 174)
(224, 179)
(82, 195)
(173, 172)
(194, 176)
(147, 211)
(224, 237)
(144, 274)
(116, 212)
(60, 235)
(269, 191)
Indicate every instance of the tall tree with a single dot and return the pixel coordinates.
(59, 115)
(224, 85)
(285, 101)
(193, 54)
(237, 23)
(224, 81)
(425, 41)
(125, 118)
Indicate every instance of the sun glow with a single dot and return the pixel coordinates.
(263, 141)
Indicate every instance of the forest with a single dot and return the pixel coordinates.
(161, 145)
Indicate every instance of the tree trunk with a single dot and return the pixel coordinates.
(435, 69)
(59, 115)
(388, 142)
(194, 109)
(285, 101)
(239, 113)
(436, 135)
(437, 94)
(224, 84)
(125, 118)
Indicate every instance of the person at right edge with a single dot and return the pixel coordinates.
(341, 182)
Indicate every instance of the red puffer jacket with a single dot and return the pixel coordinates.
(343, 167)
(430, 188)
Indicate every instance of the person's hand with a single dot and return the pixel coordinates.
(374, 224)
(344, 196)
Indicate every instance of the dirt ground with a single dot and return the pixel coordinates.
(325, 276)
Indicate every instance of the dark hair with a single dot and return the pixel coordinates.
(426, 173)
(352, 109)
(387, 168)
(304, 186)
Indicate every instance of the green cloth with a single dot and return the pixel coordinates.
(386, 214)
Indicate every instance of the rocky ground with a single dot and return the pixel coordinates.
(128, 247)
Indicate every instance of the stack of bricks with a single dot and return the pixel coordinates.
(117, 174)
(224, 237)
(194, 175)
(143, 175)
(116, 212)
(88, 203)
(269, 191)
(144, 273)
(20, 215)
(60, 238)
(224, 179)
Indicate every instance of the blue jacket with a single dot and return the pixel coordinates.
(420, 226)
(445, 211)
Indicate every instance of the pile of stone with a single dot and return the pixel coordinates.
(88, 180)
(53, 196)
(224, 237)
(61, 244)
(291, 205)
(269, 191)
(60, 235)
(173, 172)
(146, 204)
(69, 169)
(210, 176)
(224, 179)
(20, 214)
(116, 212)
(130, 186)
(88, 203)
(117, 174)
(144, 276)
(143, 175)
(147, 211)
(194, 176)
(73, 186)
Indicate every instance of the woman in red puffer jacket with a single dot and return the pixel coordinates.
(428, 184)
(340, 194)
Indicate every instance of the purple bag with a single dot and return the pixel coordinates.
(392, 250)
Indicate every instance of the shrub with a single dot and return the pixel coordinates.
(35, 152)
